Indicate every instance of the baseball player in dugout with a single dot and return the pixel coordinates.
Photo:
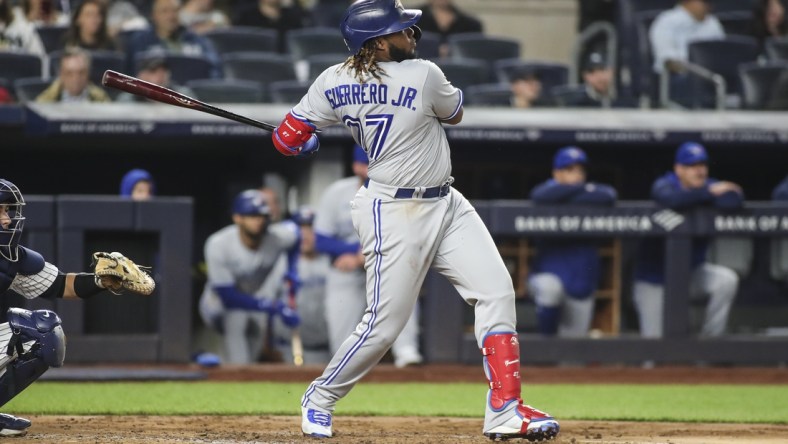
(566, 271)
(33, 341)
(246, 265)
(346, 292)
(688, 186)
(407, 215)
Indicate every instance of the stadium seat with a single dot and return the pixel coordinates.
(777, 48)
(319, 62)
(759, 83)
(260, 67)
(124, 37)
(183, 68)
(736, 22)
(551, 74)
(482, 47)
(243, 38)
(564, 95)
(53, 37)
(632, 16)
(28, 88)
(723, 57)
(466, 73)
(305, 42)
(428, 47)
(226, 90)
(100, 61)
(492, 94)
(14, 65)
(644, 79)
(287, 91)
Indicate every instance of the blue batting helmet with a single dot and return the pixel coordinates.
(251, 203)
(367, 19)
(11, 197)
(304, 216)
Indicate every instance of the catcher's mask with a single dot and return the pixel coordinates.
(12, 199)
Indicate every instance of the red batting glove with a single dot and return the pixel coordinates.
(289, 137)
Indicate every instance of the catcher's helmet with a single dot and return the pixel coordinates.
(304, 216)
(251, 203)
(367, 19)
(9, 235)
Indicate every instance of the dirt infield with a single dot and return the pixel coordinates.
(406, 430)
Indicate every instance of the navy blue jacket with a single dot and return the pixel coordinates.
(781, 192)
(575, 261)
(184, 42)
(667, 192)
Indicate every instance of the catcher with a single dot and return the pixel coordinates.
(33, 341)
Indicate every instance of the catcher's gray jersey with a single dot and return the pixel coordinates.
(388, 119)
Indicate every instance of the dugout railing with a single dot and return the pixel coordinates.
(447, 338)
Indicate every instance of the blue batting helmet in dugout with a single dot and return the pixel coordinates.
(304, 216)
(568, 156)
(367, 19)
(691, 153)
(251, 203)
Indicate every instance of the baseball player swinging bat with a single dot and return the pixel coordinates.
(139, 87)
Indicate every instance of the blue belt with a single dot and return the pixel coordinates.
(429, 193)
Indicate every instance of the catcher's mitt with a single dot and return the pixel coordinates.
(116, 272)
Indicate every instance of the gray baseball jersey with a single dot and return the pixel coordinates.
(258, 273)
(404, 223)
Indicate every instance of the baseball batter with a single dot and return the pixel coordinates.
(407, 215)
(246, 265)
(346, 283)
(33, 341)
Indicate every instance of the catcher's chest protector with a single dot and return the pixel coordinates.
(502, 365)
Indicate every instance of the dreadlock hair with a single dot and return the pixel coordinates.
(363, 62)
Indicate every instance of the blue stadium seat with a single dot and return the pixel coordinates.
(723, 57)
(243, 38)
(465, 73)
(777, 48)
(28, 88)
(261, 67)
(428, 47)
(305, 42)
(482, 47)
(226, 90)
(53, 37)
(551, 74)
(14, 65)
(736, 22)
(318, 63)
(100, 61)
(492, 94)
(759, 83)
(287, 91)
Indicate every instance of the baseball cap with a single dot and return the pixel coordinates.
(691, 153)
(304, 216)
(359, 155)
(594, 61)
(251, 202)
(568, 156)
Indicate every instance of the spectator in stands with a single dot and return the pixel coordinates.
(781, 190)
(566, 271)
(88, 29)
(43, 13)
(73, 83)
(16, 33)
(598, 83)
(200, 16)
(444, 18)
(168, 36)
(154, 70)
(123, 16)
(527, 89)
(769, 20)
(272, 14)
(138, 185)
(686, 187)
(670, 35)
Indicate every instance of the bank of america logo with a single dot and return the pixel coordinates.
(667, 219)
